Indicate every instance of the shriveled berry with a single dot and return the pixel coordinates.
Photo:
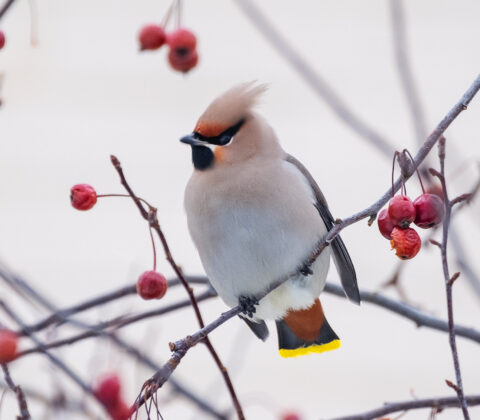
(120, 411)
(385, 224)
(83, 196)
(405, 242)
(152, 285)
(182, 38)
(151, 37)
(2, 40)
(429, 210)
(8, 345)
(182, 59)
(108, 389)
(401, 211)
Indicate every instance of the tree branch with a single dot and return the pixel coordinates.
(450, 280)
(395, 407)
(5, 7)
(151, 217)
(22, 402)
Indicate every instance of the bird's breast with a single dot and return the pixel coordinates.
(251, 227)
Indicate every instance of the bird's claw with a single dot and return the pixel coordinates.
(306, 270)
(248, 305)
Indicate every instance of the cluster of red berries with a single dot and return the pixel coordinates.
(2, 40)
(182, 55)
(425, 211)
(8, 345)
(108, 391)
(151, 284)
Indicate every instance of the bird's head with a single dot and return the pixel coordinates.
(228, 131)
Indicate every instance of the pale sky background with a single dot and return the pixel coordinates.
(85, 92)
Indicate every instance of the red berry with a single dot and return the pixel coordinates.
(182, 59)
(120, 411)
(182, 38)
(151, 37)
(401, 211)
(152, 285)
(108, 389)
(83, 196)
(385, 224)
(8, 345)
(405, 242)
(429, 210)
(290, 416)
(2, 40)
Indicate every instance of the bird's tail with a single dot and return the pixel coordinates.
(305, 331)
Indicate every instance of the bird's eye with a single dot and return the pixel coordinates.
(226, 140)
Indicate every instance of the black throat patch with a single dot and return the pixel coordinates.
(202, 157)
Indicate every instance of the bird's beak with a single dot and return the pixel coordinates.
(192, 140)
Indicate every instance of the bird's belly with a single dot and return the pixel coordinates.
(245, 248)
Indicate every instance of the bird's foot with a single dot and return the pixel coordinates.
(306, 270)
(248, 305)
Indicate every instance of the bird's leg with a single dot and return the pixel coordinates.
(248, 305)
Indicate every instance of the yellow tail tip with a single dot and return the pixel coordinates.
(315, 348)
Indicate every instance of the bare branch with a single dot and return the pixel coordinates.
(22, 402)
(54, 359)
(151, 217)
(450, 280)
(390, 408)
(5, 7)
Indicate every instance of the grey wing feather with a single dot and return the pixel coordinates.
(341, 257)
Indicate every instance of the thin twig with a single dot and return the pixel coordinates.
(117, 323)
(57, 316)
(5, 7)
(151, 217)
(420, 318)
(395, 407)
(54, 359)
(22, 402)
(449, 281)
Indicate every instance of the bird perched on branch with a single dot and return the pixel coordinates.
(255, 215)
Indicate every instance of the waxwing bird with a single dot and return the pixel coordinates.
(255, 214)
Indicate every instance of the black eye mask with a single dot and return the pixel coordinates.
(223, 138)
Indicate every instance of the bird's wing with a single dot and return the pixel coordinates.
(340, 254)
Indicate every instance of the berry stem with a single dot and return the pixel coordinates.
(418, 173)
(154, 249)
(167, 16)
(179, 13)
(404, 188)
(123, 195)
(393, 172)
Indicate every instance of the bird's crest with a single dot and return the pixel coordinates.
(229, 108)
